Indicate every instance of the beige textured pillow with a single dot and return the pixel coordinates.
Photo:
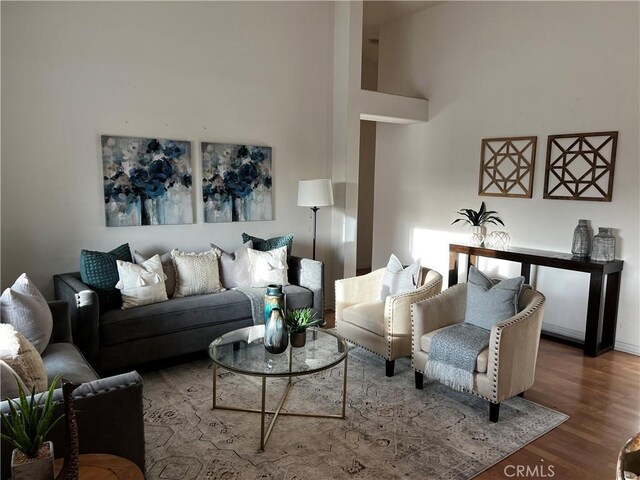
(196, 273)
(18, 353)
(23, 306)
(8, 384)
(141, 284)
(268, 268)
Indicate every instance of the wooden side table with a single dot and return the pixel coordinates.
(101, 466)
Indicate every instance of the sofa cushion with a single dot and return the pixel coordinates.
(176, 314)
(99, 271)
(23, 306)
(65, 359)
(481, 362)
(369, 316)
(298, 297)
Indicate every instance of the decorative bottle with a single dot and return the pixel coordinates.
(581, 246)
(274, 298)
(276, 335)
(604, 245)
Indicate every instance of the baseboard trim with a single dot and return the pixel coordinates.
(578, 335)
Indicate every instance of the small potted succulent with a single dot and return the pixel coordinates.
(477, 220)
(30, 420)
(298, 321)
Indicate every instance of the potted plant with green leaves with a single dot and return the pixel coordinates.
(298, 320)
(478, 221)
(25, 427)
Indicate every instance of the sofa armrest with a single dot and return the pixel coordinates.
(513, 348)
(397, 309)
(447, 308)
(309, 274)
(354, 290)
(110, 420)
(84, 311)
(61, 332)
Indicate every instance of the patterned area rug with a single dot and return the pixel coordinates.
(391, 431)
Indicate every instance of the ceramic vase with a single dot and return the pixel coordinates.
(274, 298)
(478, 234)
(33, 469)
(276, 335)
(604, 245)
(581, 245)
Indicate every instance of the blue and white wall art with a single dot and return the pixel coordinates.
(147, 181)
(236, 182)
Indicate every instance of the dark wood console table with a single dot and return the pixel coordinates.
(604, 287)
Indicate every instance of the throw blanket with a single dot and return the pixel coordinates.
(256, 297)
(453, 353)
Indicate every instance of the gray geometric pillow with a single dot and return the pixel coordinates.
(489, 302)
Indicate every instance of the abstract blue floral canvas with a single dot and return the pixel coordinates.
(236, 182)
(147, 181)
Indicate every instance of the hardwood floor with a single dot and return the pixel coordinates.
(602, 397)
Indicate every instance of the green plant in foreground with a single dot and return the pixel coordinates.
(479, 218)
(30, 420)
(300, 319)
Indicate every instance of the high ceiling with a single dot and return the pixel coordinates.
(377, 13)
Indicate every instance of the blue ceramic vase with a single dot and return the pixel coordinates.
(276, 335)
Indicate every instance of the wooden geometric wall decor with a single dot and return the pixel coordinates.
(580, 166)
(506, 167)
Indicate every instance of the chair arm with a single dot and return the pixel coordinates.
(397, 309)
(354, 290)
(446, 308)
(61, 332)
(84, 310)
(513, 349)
(309, 274)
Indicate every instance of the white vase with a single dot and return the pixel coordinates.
(33, 469)
(478, 234)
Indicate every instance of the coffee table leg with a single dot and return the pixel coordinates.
(214, 368)
(344, 387)
(264, 397)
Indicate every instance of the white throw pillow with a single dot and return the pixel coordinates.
(235, 268)
(196, 273)
(268, 268)
(167, 267)
(141, 284)
(21, 358)
(397, 279)
(24, 307)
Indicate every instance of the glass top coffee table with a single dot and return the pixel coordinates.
(242, 351)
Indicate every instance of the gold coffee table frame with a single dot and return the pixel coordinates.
(246, 333)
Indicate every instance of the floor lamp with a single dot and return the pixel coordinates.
(315, 194)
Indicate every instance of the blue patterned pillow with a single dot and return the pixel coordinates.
(271, 243)
(489, 302)
(99, 271)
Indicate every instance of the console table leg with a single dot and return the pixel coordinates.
(612, 295)
(594, 320)
(453, 268)
(525, 271)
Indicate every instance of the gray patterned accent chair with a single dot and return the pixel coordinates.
(382, 327)
(504, 369)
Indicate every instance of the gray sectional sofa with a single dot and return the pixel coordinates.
(114, 340)
(109, 411)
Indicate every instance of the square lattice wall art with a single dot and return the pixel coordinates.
(580, 166)
(506, 167)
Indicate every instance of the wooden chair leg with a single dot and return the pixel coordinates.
(419, 380)
(521, 394)
(494, 412)
(389, 367)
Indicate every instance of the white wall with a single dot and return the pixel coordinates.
(509, 69)
(238, 72)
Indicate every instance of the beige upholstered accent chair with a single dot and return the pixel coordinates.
(507, 367)
(382, 327)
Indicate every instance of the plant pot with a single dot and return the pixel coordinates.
(478, 234)
(40, 468)
(298, 339)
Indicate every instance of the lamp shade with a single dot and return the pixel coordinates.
(315, 193)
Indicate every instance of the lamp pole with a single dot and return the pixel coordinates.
(315, 211)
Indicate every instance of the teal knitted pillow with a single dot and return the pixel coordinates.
(100, 272)
(271, 243)
(489, 302)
